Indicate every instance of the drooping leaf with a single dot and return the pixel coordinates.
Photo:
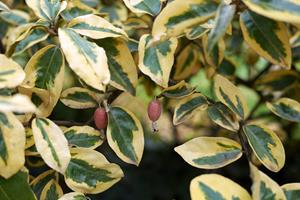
(216, 55)
(223, 19)
(210, 152)
(180, 90)
(122, 67)
(151, 7)
(230, 95)
(211, 186)
(223, 116)
(266, 146)
(179, 15)
(156, 58)
(51, 144)
(79, 98)
(125, 135)
(12, 144)
(85, 58)
(11, 73)
(266, 37)
(287, 10)
(291, 190)
(44, 79)
(16, 103)
(286, 108)
(188, 106)
(95, 27)
(264, 187)
(90, 172)
(84, 137)
(73, 196)
(16, 187)
(187, 62)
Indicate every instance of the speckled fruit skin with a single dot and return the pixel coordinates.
(100, 118)
(154, 110)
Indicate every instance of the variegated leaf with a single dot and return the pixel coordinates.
(51, 144)
(187, 62)
(15, 17)
(188, 106)
(216, 187)
(51, 191)
(264, 187)
(156, 58)
(90, 172)
(151, 7)
(17, 103)
(3, 7)
(179, 15)
(180, 90)
(230, 95)
(195, 32)
(95, 27)
(11, 73)
(84, 136)
(291, 190)
(285, 10)
(33, 37)
(12, 145)
(44, 79)
(210, 152)
(125, 135)
(123, 70)
(73, 196)
(75, 9)
(80, 98)
(47, 9)
(85, 58)
(215, 56)
(286, 108)
(29, 138)
(267, 37)
(223, 116)
(38, 183)
(16, 187)
(223, 19)
(266, 146)
(278, 80)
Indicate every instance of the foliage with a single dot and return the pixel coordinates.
(110, 54)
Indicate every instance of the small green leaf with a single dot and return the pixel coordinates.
(180, 90)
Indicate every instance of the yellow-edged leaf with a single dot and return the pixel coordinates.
(16, 103)
(51, 144)
(230, 95)
(286, 108)
(85, 58)
(12, 144)
(216, 187)
(156, 58)
(210, 152)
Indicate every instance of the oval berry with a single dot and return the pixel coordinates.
(154, 110)
(100, 118)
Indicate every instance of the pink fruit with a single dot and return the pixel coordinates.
(154, 110)
(100, 118)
